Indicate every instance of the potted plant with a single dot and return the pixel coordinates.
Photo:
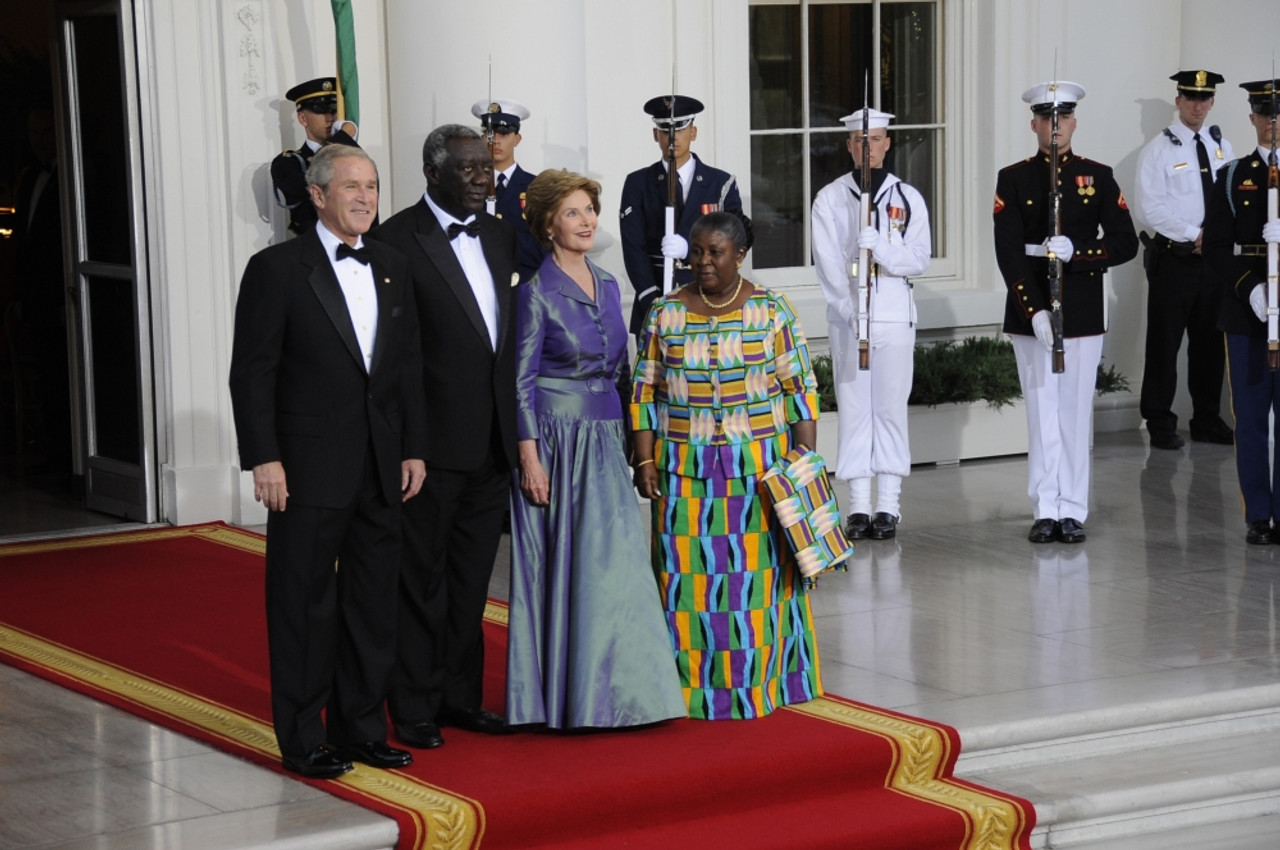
(949, 420)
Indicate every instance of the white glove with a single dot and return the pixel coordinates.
(1271, 231)
(868, 238)
(1060, 245)
(339, 126)
(675, 246)
(1258, 301)
(1042, 324)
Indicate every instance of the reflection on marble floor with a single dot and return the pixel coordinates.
(959, 620)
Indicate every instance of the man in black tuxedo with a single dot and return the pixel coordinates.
(326, 386)
(464, 265)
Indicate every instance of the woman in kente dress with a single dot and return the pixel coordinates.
(723, 388)
(587, 644)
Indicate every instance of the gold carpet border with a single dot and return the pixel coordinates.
(921, 751)
(444, 820)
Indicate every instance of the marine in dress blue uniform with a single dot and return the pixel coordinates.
(502, 118)
(1176, 171)
(644, 199)
(1235, 247)
(317, 109)
(1059, 405)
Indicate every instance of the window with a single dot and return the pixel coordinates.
(808, 61)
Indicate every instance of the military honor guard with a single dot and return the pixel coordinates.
(317, 103)
(872, 403)
(1059, 404)
(1236, 238)
(1176, 171)
(702, 189)
(500, 120)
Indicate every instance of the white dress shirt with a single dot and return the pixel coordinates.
(356, 280)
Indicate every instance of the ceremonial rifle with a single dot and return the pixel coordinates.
(1055, 229)
(861, 270)
(491, 199)
(673, 186)
(1273, 250)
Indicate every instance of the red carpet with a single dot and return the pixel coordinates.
(168, 625)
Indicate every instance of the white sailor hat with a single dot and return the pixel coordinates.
(1060, 94)
(876, 120)
(501, 116)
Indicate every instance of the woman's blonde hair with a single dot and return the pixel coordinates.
(545, 194)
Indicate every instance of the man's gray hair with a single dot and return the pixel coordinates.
(320, 171)
(435, 150)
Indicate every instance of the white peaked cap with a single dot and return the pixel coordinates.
(1060, 93)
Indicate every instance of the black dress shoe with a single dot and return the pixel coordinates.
(320, 763)
(1043, 531)
(1167, 440)
(1259, 532)
(855, 528)
(474, 720)
(376, 754)
(883, 527)
(424, 735)
(1070, 531)
(1215, 432)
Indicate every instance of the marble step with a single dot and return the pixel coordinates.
(1135, 771)
(1242, 834)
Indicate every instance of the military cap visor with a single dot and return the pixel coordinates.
(1261, 93)
(676, 111)
(1197, 85)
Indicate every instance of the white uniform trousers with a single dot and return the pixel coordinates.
(1059, 412)
(872, 404)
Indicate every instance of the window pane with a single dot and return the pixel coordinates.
(828, 159)
(778, 204)
(916, 158)
(113, 365)
(908, 56)
(839, 61)
(100, 98)
(775, 67)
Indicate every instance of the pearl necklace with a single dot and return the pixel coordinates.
(721, 306)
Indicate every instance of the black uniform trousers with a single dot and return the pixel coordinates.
(452, 529)
(331, 631)
(1182, 297)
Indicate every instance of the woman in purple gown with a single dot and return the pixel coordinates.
(587, 644)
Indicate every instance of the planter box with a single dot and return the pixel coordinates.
(949, 433)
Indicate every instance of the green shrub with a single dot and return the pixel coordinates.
(975, 369)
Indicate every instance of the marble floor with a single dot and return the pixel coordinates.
(959, 620)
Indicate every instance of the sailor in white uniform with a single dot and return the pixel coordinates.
(872, 403)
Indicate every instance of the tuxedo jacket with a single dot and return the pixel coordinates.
(299, 390)
(642, 225)
(469, 386)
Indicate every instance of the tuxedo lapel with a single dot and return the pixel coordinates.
(502, 274)
(435, 244)
(381, 287)
(325, 285)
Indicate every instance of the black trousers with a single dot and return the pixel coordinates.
(1182, 298)
(452, 529)
(331, 630)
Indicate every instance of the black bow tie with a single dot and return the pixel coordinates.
(472, 229)
(360, 255)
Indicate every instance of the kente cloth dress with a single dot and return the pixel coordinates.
(587, 643)
(721, 393)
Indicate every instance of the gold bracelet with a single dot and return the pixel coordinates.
(643, 462)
